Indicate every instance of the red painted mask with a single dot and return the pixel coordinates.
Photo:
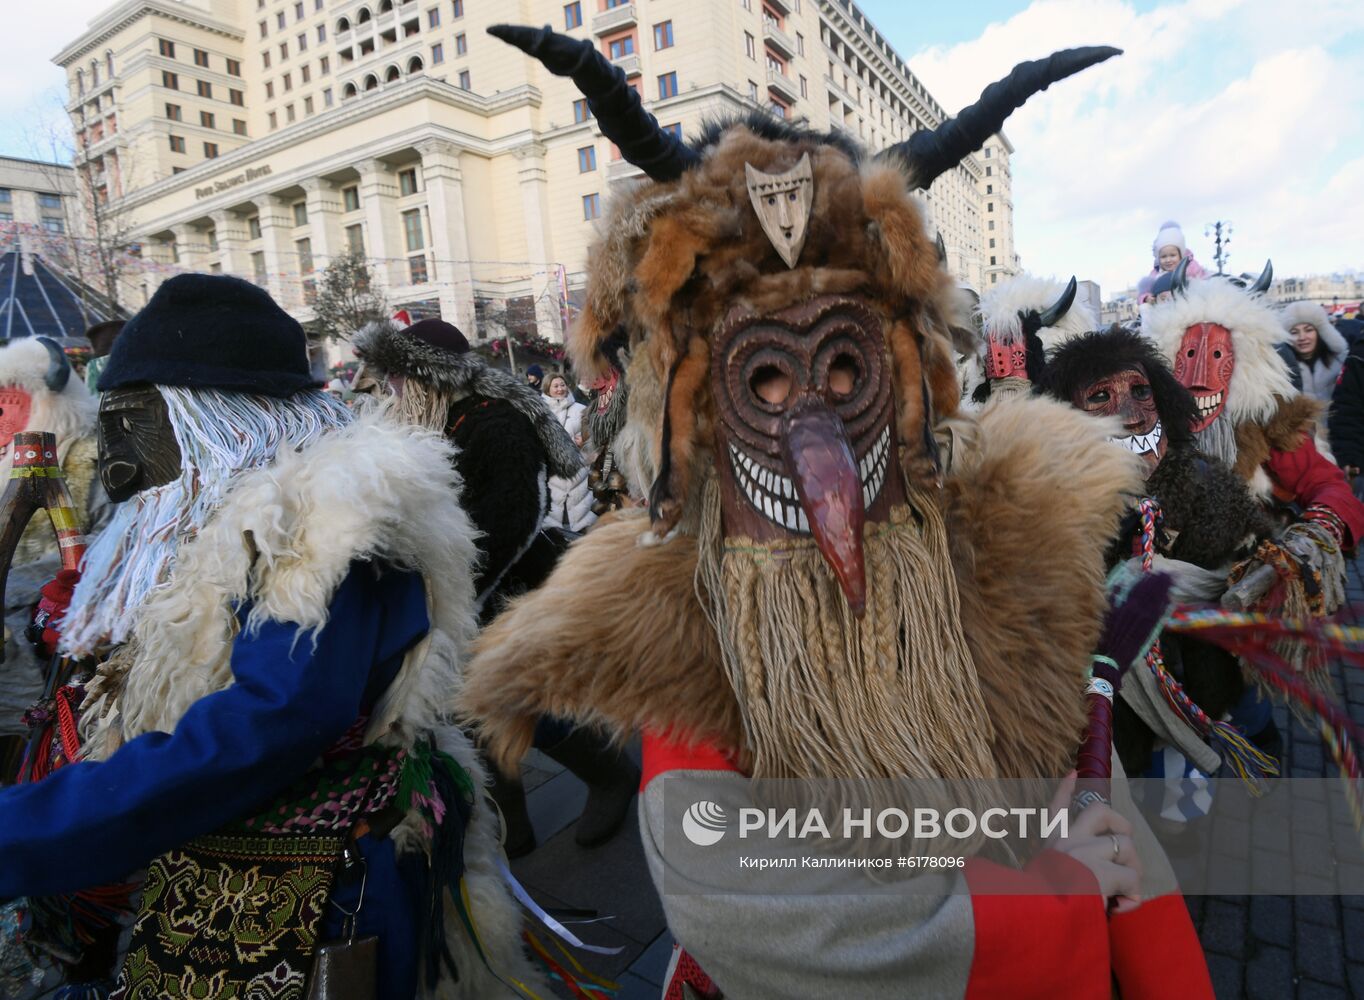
(15, 406)
(1126, 394)
(806, 413)
(605, 388)
(1203, 366)
(1005, 358)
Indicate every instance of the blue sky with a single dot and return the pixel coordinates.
(1248, 110)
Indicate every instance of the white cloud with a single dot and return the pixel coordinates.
(1218, 109)
(33, 86)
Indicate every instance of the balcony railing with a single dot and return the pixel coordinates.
(629, 65)
(778, 39)
(782, 85)
(624, 16)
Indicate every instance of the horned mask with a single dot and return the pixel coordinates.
(789, 300)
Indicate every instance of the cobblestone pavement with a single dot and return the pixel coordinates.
(1304, 947)
(1258, 947)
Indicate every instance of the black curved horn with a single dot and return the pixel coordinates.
(1263, 282)
(614, 103)
(1180, 279)
(1061, 306)
(942, 249)
(58, 365)
(929, 153)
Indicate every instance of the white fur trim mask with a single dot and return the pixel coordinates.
(1259, 380)
(1000, 307)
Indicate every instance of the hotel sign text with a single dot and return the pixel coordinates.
(249, 174)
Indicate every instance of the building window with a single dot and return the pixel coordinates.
(581, 112)
(200, 58)
(587, 159)
(288, 82)
(407, 184)
(619, 48)
(265, 59)
(989, 206)
(800, 44)
(752, 91)
(461, 45)
(591, 206)
(355, 238)
(264, 29)
(298, 11)
(327, 98)
(675, 130)
(279, 20)
(177, 144)
(173, 112)
(991, 225)
(804, 87)
(464, 80)
(778, 108)
(170, 80)
(237, 97)
(992, 261)
(205, 88)
(302, 42)
(274, 121)
(987, 152)
(308, 105)
(283, 50)
(663, 35)
(992, 242)
(206, 119)
(437, 54)
(412, 229)
(304, 248)
(253, 227)
(989, 189)
(258, 266)
(750, 49)
(54, 225)
(238, 126)
(46, 200)
(166, 48)
(748, 4)
(457, 6)
(300, 209)
(234, 68)
(350, 198)
(416, 268)
(289, 112)
(210, 150)
(324, 66)
(667, 86)
(573, 16)
(433, 17)
(270, 90)
(109, 63)
(989, 171)
(305, 74)
(321, 32)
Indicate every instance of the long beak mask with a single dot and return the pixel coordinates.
(804, 398)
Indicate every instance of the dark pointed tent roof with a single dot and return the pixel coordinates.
(37, 298)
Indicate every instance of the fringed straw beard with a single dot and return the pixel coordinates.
(1218, 439)
(422, 405)
(220, 434)
(824, 695)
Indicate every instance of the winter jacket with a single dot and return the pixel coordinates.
(1346, 423)
(1319, 373)
(1194, 270)
(570, 501)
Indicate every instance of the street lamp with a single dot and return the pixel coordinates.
(1222, 233)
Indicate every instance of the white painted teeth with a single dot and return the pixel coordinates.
(770, 493)
(1141, 444)
(1206, 404)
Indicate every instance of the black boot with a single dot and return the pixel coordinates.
(611, 778)
(510, 797)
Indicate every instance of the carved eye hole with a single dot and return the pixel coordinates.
(126, 423)
(771, 199)
(1216, 354)
(843, 375)
(1189, 353)
(770, 384)
(791, 196)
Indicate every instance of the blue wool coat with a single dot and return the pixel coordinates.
(94, 823)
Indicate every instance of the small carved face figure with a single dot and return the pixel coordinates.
(15, 406)
(1204, 365)
(137, 446)
(1127, 395)
(782, 203)
(806, 413)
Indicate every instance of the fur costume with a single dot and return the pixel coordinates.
(813, 592)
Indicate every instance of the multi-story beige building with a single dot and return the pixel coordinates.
(262, 137)
(1331, 291)
(38, 194)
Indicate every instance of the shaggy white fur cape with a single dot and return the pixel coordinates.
(1260, 380)
(284, 538)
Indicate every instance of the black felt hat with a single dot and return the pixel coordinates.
(211, 331)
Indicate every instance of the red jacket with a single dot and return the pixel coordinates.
(1306, 477)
